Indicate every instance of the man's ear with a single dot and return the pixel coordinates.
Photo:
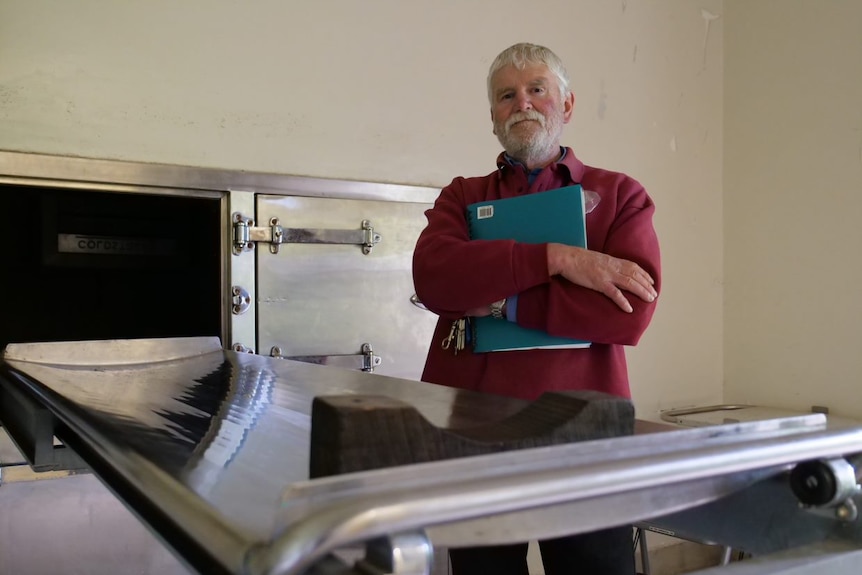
(493, 123)
(568, 107)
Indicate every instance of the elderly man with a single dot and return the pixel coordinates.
(605, 294)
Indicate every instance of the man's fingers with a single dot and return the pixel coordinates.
(617, 296)
(639, 274)
(609, 275)
(639, 286)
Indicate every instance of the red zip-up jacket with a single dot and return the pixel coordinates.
(453, 274)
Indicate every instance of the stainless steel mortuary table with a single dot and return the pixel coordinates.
(210, 448)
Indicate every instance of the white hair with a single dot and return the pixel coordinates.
(519, 55)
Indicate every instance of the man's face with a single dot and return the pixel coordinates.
(529, 113)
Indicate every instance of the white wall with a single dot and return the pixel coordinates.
(793, 203)
(387, 90)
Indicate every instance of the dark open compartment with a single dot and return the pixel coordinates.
(86, 265)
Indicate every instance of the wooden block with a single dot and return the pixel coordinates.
(359, 432)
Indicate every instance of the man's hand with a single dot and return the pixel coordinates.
(602, 273)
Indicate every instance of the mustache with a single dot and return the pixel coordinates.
(525, 115)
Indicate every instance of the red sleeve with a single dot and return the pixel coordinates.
(621, 226)
(452, 274)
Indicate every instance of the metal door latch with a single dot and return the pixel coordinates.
(245, 234)
(366, 360)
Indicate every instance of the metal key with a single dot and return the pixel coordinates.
(460, 336)
(453, 332)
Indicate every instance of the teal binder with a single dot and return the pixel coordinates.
(553, 216)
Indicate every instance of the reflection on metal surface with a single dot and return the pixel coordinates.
(403, 554)
(250, 393)
(112, 353)
(230, 430)
(211, 450)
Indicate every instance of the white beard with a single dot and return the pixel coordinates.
(531, 145)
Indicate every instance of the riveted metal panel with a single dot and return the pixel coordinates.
(330, 299)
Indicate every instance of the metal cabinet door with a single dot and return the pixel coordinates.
(324, 302)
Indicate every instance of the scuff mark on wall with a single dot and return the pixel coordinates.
(708, 17)
(8, 95)
(635, 54)
(603, 101)
(673, 144)
(625, 5)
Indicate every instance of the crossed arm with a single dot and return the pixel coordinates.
(597, 271)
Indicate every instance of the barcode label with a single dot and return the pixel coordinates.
(483, 212)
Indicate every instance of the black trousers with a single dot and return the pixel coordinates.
(606, 552)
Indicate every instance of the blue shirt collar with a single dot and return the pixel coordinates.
(531, 175)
